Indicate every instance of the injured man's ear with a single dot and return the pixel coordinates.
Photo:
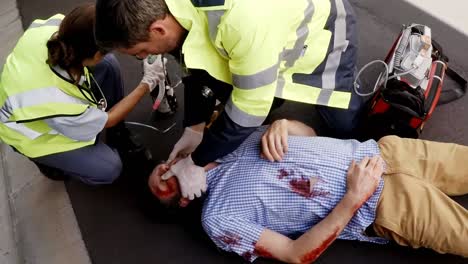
(167, 191)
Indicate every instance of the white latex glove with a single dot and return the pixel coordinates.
(155, 72)
(192, 178)
(186, 144)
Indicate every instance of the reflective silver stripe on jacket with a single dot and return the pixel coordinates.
(214, 19)
(242, 118)
(334, 58)
(50, 22)
(292, 55)
(24, 130)
(256, 80)
(246, 82)
(35, 97)
(84, 127)
(271, 74)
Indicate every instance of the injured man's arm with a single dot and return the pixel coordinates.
(362, 180)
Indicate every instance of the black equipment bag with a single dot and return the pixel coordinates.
(399, 108)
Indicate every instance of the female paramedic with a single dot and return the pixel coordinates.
(55, 89)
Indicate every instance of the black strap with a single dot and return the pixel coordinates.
(449, 95)
(437, 52)
(207, 3)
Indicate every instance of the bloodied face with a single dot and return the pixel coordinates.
(167, 191)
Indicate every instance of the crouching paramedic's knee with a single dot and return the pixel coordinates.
(106, 171)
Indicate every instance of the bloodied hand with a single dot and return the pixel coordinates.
(275, 141)
(364, 177)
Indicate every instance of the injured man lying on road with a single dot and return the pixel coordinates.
(323, 189)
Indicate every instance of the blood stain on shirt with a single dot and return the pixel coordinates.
(229, 239)
(282, 174)
(247, 255)
(302, 187)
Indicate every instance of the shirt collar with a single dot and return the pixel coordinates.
(65, 74)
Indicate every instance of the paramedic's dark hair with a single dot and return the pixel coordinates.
(74, 40)
(125, 23)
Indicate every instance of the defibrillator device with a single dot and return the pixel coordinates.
(409, 89)
(411, 60)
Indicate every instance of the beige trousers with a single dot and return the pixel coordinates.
(414, 208)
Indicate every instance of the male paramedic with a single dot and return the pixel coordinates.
(245, 54)
(327, 188)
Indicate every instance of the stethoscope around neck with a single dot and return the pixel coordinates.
(86, 91)
(101, 103)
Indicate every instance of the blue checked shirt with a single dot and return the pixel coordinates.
(247, 194)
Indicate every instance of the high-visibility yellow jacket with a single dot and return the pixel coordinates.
(31, 92)
(300, 50)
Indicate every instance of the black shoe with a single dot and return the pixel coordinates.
(52, 173)
(122, 139)
(133, 154)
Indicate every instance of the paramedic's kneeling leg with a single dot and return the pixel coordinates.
(338, 192)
